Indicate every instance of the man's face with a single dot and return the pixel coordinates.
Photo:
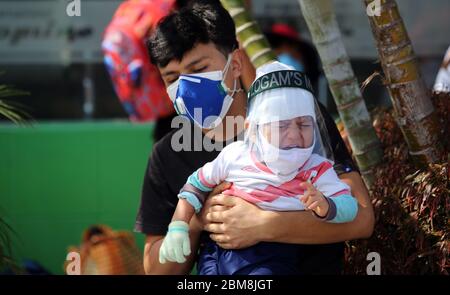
(206, 58)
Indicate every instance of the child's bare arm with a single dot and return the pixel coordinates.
(176, 246)
(184, 211)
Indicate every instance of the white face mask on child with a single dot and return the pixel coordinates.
(282, 162)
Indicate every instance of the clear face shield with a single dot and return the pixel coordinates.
(284, 128)
(297, 132)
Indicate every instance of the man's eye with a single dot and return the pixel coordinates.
(200, 69)
(170, 81)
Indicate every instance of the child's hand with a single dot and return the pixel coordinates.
(176, 244)
(314, 200)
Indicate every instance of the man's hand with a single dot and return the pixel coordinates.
(314, 200)
(199, 221)
(233, 222)
(176, 244)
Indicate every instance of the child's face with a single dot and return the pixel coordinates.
(297, 132)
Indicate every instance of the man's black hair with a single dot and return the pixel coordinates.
(198, 22)
(181, 3)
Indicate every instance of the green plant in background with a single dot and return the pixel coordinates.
(17, 116)
(411, 205)
(5, 245)
(7, 109)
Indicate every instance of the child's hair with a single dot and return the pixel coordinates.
(198, 22)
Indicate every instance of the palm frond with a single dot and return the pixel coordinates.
(16, 115)
(13, 113)
(7, 91)
(7, 262)
(9, 110)
(5, 244)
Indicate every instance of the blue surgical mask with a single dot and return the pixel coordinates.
(203, 97)
(289, 60)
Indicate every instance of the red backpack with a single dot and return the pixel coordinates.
(136, 80)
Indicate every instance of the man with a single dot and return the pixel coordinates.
(201, 38)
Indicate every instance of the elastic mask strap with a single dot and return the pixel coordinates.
(234, 90)
(227, 65)
(224, 73)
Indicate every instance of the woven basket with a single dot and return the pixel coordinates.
(107, 252)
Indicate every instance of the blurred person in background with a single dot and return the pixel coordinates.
(292, 50)
(137, 82)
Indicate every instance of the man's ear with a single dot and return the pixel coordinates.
(246, 124)
(236, 63)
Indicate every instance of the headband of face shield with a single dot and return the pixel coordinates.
(203, 98)
(284, 123)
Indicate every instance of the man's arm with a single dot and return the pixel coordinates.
(305, 229)
(244, 224)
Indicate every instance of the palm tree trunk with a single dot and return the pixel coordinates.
(321, 21)
(413, 108)
(249, 34)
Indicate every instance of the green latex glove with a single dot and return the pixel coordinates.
(176, 245)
